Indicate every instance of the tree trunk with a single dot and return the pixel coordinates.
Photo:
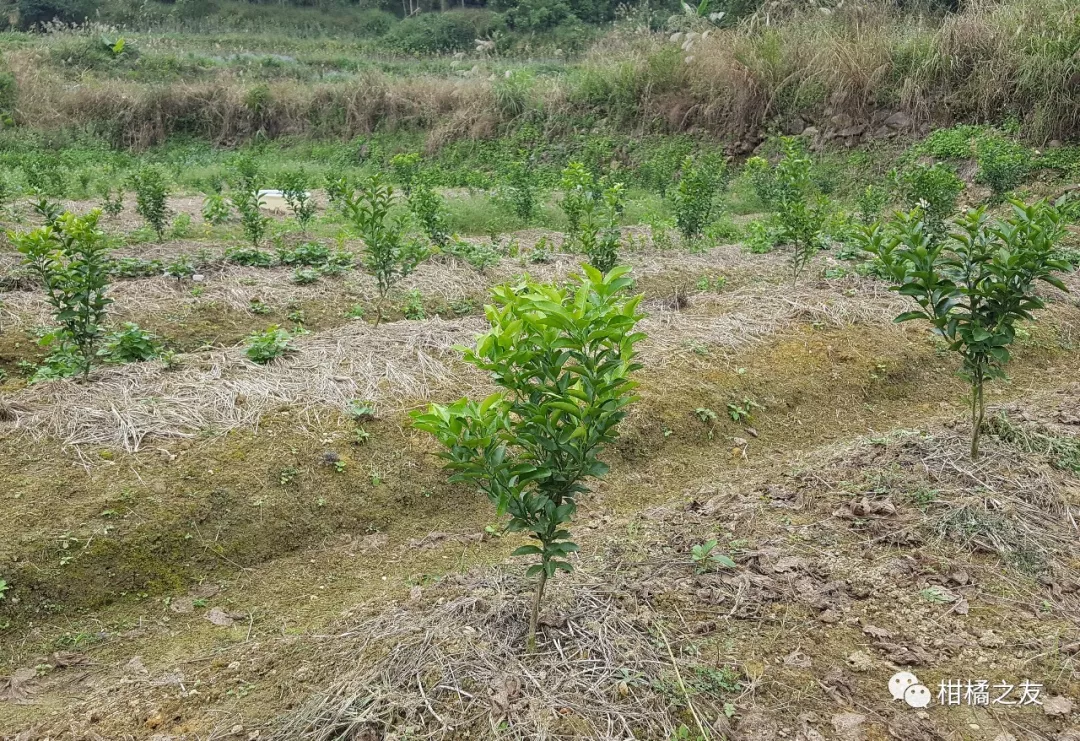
(978, 411)
(534, 614)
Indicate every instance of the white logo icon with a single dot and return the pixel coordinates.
(900, 682)
(917, 696)
(905, 686)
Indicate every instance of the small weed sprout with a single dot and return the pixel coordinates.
(273, 342)
(542, 252)
(180, 268)
(305, 276)
(706, 557)
(414, 306)
(742, 411)
(151, 196)
(975, 285)
(480, 256)
(707, 417)
(249, 256)
(531, 446)
(309, 254)
(71, 259)
(360, 410)
(387, 252)
(129, 344)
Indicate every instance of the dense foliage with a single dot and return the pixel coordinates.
(563, 360)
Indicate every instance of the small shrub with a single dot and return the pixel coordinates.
(934, 189)
(973, 286)
(870, 201)
(800, 215)
(112, 203)
(579, 192)
(273, 342)
(598, 234)
(151, 196)
(694, 197)
(1003, 165)
(73, 264)
(294, 188)
(430, 210)
(338, 190)
(129, 344)
(658, 171)
(49, 211)
(216, 210)
(520, 191)
(449, 31)
(248, 203)
(406, 167)
(181, 226)
(387, 253)
(531, 447)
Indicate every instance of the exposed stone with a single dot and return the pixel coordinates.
(842, 121)
(899, 120)
(1057, 706)
(848, 726)
(855, 130)
(793, 126)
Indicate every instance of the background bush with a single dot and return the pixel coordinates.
(455, 30)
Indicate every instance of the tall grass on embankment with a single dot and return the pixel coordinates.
(990, 62)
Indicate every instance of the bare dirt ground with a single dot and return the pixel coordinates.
(187, 564)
